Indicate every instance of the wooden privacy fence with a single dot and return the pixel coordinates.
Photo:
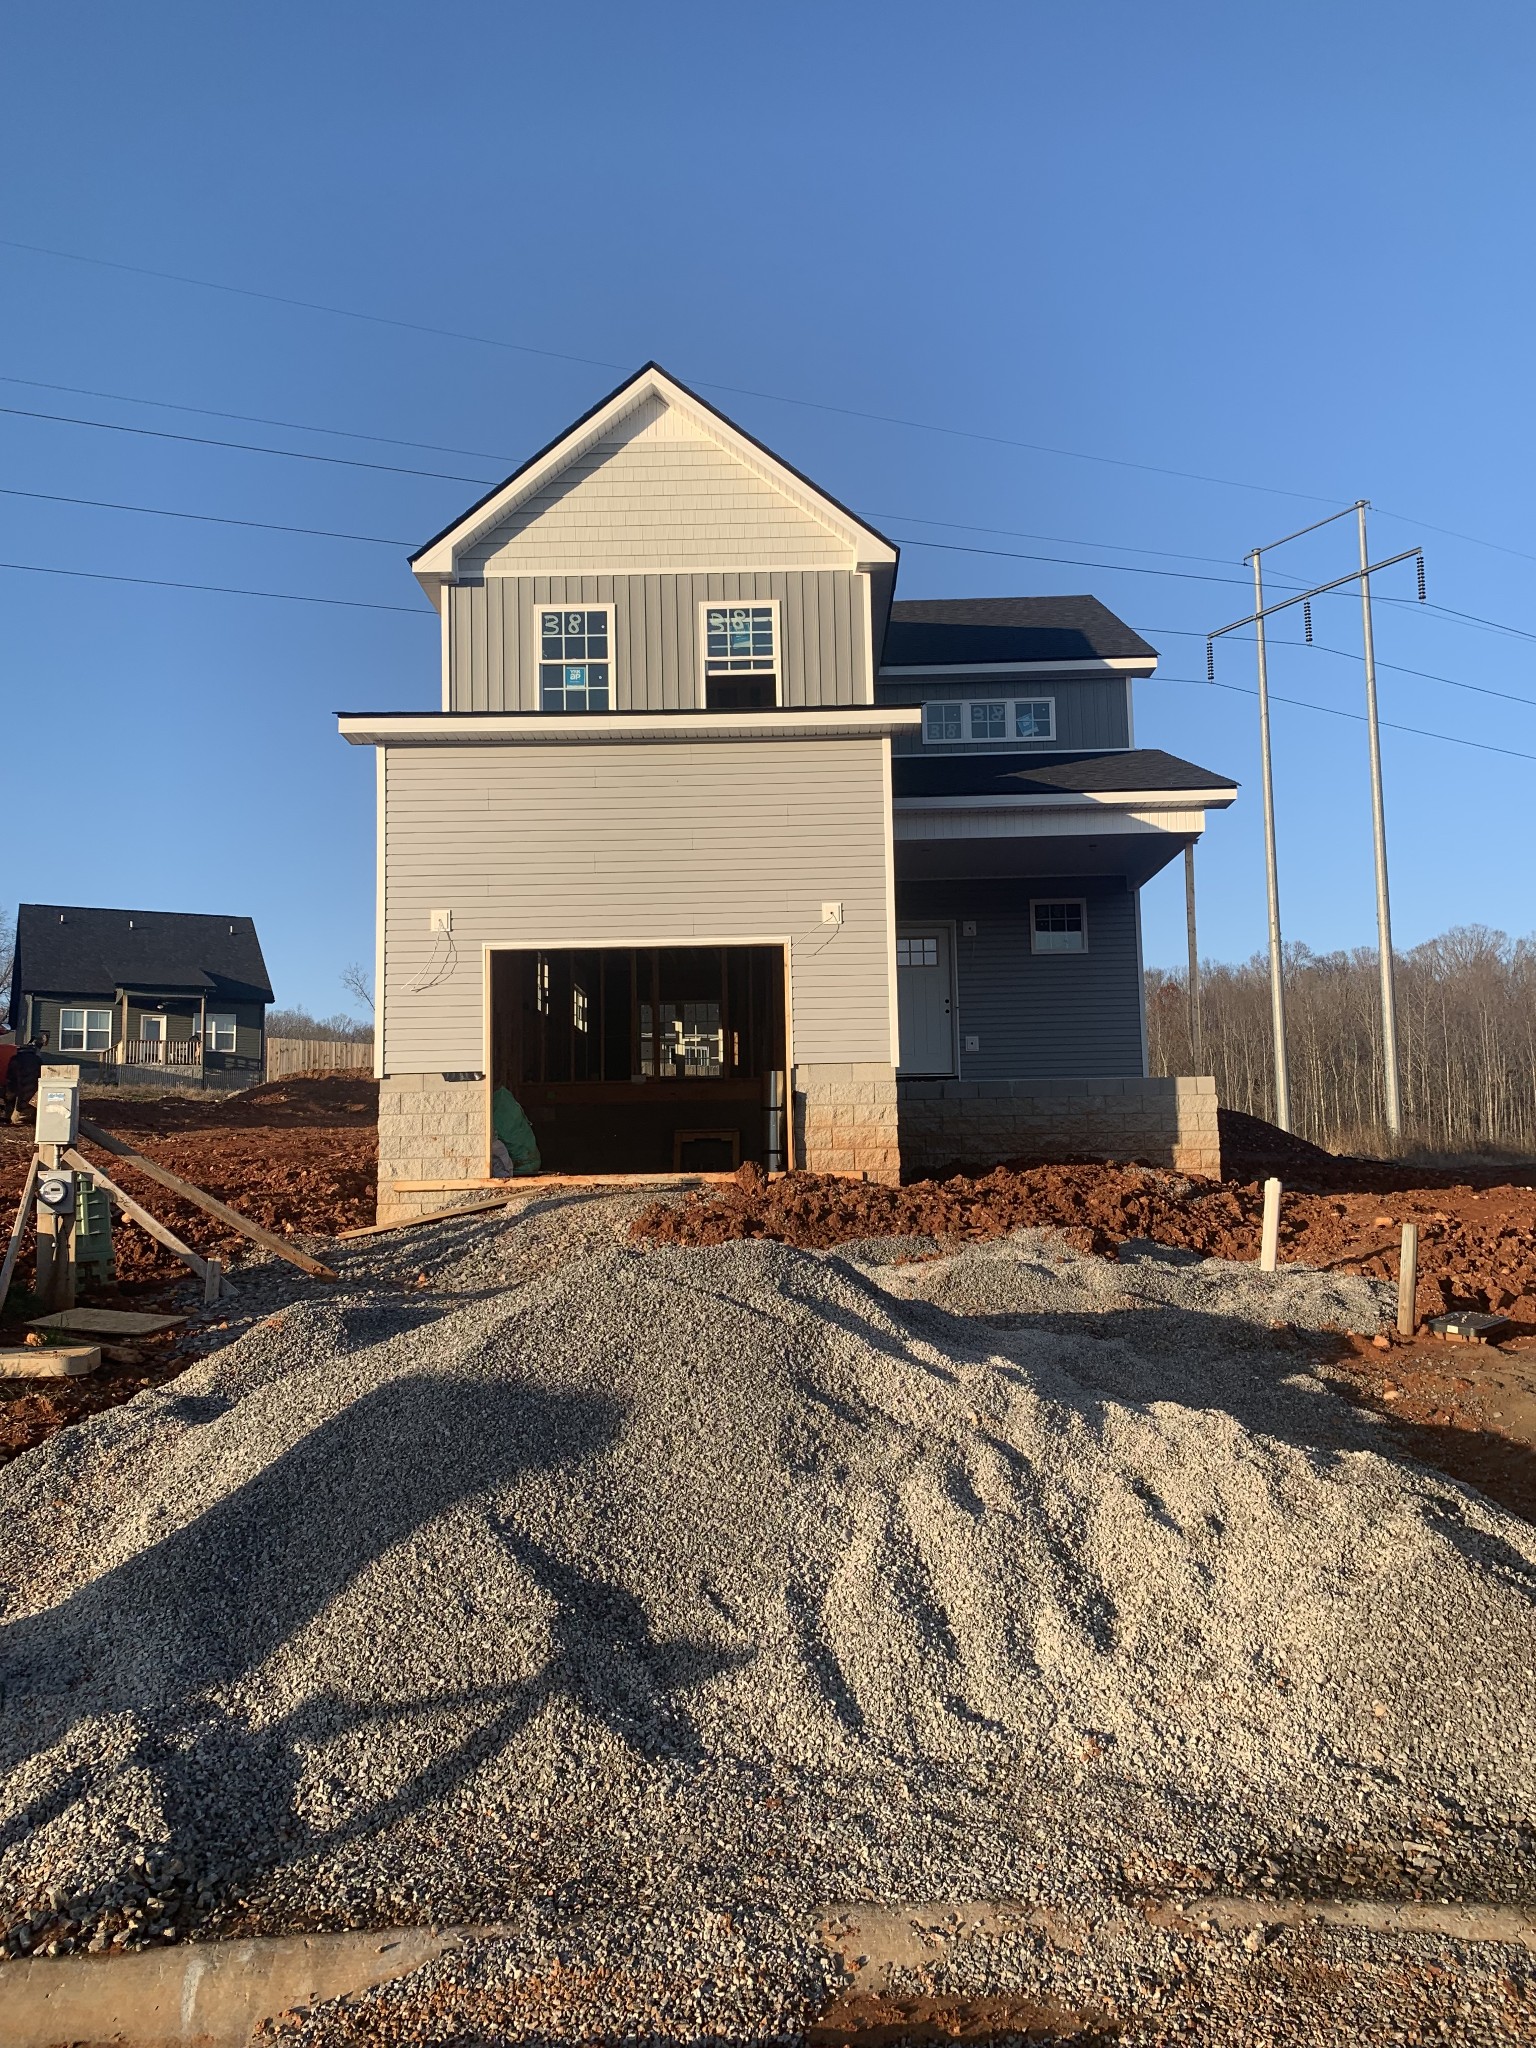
(311, 1055)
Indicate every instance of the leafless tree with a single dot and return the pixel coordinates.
(358, 982)
(1466, 1005)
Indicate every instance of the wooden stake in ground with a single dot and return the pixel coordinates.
(210, 1203)
(18, 1231)
(1408, 1282)
(130, 1208)
(1269, 1247)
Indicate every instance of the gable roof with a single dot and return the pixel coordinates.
(435, 559)
(943, 632)
(66, 949)
(1122, 772)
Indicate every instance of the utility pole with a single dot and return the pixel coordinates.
(1271, 865)
(1196, 1022)
(1256, 619)
(1391, 1091)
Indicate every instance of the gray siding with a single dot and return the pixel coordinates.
(657, 662)
(642, 844)
(1039, 1015)
(1091, 711)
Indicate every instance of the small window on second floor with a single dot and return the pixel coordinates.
(1034, 718)
(740, 657)
(989, 721)
(575, 656)
(942, 722)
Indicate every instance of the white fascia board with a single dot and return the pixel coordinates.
(534, 728)
(438, 558)
(1080, 799)
(1111, 665)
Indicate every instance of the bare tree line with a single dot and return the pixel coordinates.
(1466, 1009)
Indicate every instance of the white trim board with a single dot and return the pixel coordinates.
(1111, 665)
(609, 728)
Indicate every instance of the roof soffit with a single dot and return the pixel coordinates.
(436, 560)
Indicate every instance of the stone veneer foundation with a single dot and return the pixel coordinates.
(430, 1128)
(1165, 1121)
(846, 1121)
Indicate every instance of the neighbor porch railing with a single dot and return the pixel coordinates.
(160, 1052)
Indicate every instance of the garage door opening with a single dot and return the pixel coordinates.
(654, 1059)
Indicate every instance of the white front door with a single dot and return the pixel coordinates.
(152, 1037)
(924, 999)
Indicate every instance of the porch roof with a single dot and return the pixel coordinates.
(1016, 778)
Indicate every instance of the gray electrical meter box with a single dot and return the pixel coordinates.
(58, 1106)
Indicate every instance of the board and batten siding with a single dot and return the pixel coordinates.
(1039, 1015)
(1091, 711)
(657, 660)
(634, 844)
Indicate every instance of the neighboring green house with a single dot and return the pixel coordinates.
(144, 995)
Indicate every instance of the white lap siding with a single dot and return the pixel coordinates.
(670, 844)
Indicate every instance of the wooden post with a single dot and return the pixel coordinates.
(213, 1281)
(49, 1243)
(1408, 1282)
(1269, 1250)
(1196, 1030)
(18, 1230)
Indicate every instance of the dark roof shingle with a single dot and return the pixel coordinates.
(1050, 774)
(942, 631)
(66, 949)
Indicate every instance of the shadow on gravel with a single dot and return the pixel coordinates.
(211, 1601)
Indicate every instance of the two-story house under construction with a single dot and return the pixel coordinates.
(715, 851)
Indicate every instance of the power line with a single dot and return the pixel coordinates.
(247, 447)
(1332, 711)
(710, 384)
(1425, 675)
(356, 604)
(255, 419)
(210, 518)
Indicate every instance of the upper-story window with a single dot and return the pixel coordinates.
(741, 656)
(575, 658)
(996, 719)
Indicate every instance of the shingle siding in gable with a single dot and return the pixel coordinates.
(654, 504)
(824, 654)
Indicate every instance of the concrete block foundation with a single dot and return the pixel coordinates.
(846, 1120)
(971, 1126)
(430, 1128)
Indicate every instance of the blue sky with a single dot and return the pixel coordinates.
(1282, 247)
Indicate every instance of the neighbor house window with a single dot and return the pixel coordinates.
(740, 657)
(85, 1030)
(575, 657)
(1059, 927)
(220, 1036)
(993, 720)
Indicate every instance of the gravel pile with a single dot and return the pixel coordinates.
(551, 1582)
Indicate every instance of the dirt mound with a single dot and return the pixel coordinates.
(1477, 1246)
(1253, 1150)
